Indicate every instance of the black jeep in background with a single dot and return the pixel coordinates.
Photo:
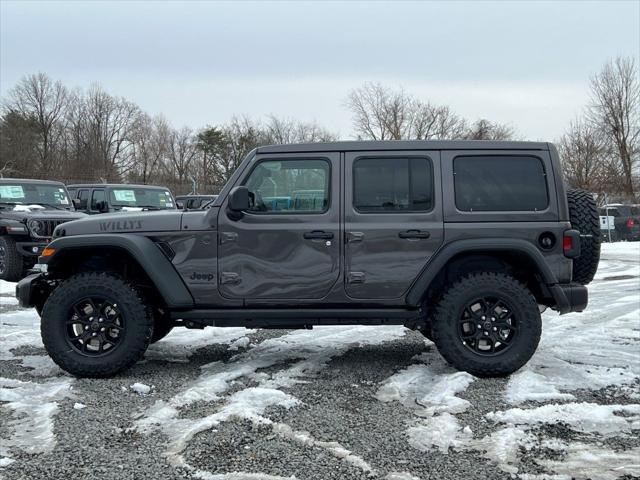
(194, 202)
(95, 198)
(29, 212)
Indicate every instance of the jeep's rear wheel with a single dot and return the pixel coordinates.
(96, 325)
(11, 262)
(583, 215)
(487, 324)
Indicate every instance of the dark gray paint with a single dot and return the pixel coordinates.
(263, 261)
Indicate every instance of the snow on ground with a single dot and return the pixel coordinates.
(591, 350)
(299, 355)
(536, 425)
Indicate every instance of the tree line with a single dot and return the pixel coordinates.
(48, 130)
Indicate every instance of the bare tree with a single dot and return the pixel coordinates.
(431, 122)
(182, 151)
(380, 113)
(484, 129)
(283, 130)
(615, 109)
(110, 122)
(150, 144)
(583, 152)
(41, 100)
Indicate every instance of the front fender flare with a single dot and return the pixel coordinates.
(155, 264)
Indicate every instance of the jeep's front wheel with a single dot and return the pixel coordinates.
(96, 325)
(487, 324)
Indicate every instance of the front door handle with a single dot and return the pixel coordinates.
(318, 235)
(414, 234)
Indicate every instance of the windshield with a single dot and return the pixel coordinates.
(137, 197)
(44, 194)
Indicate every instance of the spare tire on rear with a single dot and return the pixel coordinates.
(583, 214)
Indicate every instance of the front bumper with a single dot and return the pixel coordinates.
(570, 297)
(31, 249)
(31, 289)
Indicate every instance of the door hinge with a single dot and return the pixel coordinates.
(229, 278)
(356, 277)
(226, 237)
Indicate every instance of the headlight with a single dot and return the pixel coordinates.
(36, 227)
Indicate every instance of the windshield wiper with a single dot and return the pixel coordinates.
(49, 205)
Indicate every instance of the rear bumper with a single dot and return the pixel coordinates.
(570, 297)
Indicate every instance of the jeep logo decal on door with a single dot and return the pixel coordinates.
(207, 277)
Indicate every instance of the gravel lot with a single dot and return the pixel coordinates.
(343, 403)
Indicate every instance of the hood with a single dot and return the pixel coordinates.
(123, 222)
(22, 213)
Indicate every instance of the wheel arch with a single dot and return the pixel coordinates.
(518, 258)
(114, 252)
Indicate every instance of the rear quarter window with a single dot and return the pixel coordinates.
(500, 183)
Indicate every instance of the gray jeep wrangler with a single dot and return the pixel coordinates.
(466, 242)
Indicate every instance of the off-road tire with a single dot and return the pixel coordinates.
(451, 306)
(583, 215)
(162, 325)
(13, 262)
(131, 304)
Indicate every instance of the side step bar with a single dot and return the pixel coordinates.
(295, 318)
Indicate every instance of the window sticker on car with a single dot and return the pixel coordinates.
(11, 191)
(125, 195)
(60, 197)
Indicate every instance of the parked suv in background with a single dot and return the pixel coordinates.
(626, 221)
(29, 212)
(194, 202)
(464, 241)
(105, 198)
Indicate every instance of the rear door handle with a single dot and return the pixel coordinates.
(414, 234)
(318, 235)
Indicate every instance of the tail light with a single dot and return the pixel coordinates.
(571, 243)
(630, 223)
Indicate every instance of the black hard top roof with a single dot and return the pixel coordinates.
(378, 145)
(114, 185)
(29, 180)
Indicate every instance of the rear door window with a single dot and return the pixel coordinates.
(500, 183)
(392, 185)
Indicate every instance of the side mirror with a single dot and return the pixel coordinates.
(79, 204)
(239, 199)
(179, 205)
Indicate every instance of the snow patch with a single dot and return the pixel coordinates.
(302, 354)
(18, 329)
(33, 406)
(141, 388)
(586, 461)
(238, 476)
(400, 476)
(181, 343)
(79, 406)
(442, 432)
(429, 389)
(41, 366)
(581, 417)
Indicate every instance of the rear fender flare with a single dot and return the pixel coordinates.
(484, 245)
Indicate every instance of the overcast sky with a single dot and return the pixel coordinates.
(524, 63)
